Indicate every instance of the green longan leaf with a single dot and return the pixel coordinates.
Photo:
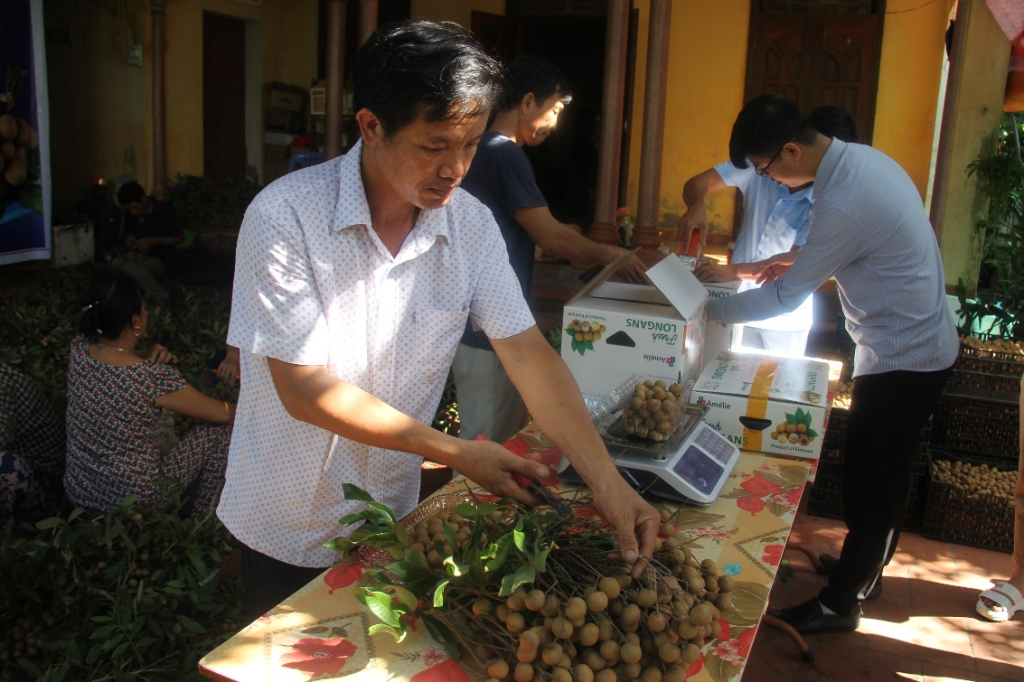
(799, 415)
(439, 593)
(406, 597)
(386, 510)
(454, 569)
(355, 493)
(380, 605)
(790, 419)
(450, 537)
(504, 545)
(442, 634)
(525, 574)
(806, 419)
(467, 509)
(398, 634)
(519, 537)
(812, 433)
(589, 345)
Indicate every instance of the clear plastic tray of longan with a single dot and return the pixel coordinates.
(656, 420)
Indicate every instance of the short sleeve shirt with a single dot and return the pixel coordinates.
(113, 451)
(774, 221)
(502, 178)
(29, 425)
(314, 285)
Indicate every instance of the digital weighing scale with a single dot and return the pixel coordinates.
(691, 466)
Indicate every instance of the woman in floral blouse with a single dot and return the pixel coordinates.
(115, 398)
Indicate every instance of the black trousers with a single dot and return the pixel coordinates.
(268, 581)
(887, 414)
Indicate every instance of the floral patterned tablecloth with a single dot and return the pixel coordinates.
(321, 631)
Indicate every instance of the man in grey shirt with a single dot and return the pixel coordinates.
(870, 232)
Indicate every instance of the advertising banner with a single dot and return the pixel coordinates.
(24, 122)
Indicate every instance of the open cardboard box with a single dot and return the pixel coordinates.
(611, 330)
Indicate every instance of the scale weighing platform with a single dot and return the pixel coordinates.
(691, 466)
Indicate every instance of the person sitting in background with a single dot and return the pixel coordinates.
(150, 231)
(776, 221)
(1006, 597)
(32, 449)
(115, 398)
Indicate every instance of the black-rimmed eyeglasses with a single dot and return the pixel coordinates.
(763, 170)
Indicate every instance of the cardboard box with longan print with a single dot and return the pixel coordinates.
(766, 404)
(612, 330)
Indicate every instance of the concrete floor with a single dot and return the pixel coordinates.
(923, 628)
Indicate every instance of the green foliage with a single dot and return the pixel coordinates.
(129, 594)
(41, 319)
(1001, 178)
(508, 548)
(211, 201)
(75, 578)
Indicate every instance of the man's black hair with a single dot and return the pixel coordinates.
(108, 306)
(130, 193)
(764, 126)
(536, 75)
(407, 69)
(834, 122)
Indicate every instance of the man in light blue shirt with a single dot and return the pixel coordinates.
(775, 224)
(869, 232)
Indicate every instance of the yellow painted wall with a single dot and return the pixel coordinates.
(101, 108)
(913, 49)
(707, 69)
(99, 105)
(459, 11)
(289, 56)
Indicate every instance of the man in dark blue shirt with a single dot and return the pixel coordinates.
(151, 231)
(502, 178)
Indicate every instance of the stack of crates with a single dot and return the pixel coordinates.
(976, 422)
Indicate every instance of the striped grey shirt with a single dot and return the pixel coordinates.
(870, 232)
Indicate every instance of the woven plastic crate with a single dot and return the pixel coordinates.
(976, 426)
(989, 369)
(954, 515)
(835, 430)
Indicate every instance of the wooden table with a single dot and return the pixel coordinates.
(320, 632)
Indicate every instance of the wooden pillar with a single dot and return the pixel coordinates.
(159, 188)
(646, 233)
(970, 124)
(367, 20)
(335, 89)
(609, 150)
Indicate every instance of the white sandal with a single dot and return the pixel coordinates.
(1007, 601)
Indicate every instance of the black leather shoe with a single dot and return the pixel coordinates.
(828, 567)
(809, 619)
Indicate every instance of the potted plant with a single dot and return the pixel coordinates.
(999, 305)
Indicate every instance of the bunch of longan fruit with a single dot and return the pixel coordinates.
(977, 480)
(794, 434)
(654, 410)
(430, 531)
(651, 629)
(584, 330)
(17, 138)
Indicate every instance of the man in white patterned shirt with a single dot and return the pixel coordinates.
(353, 285)
(870, 232)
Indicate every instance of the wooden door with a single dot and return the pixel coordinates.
(223, 96)
(817, 59)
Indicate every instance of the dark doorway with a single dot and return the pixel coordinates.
(566, 163)
(223, 96)
(818, 52)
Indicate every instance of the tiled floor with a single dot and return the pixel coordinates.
(923, 628)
